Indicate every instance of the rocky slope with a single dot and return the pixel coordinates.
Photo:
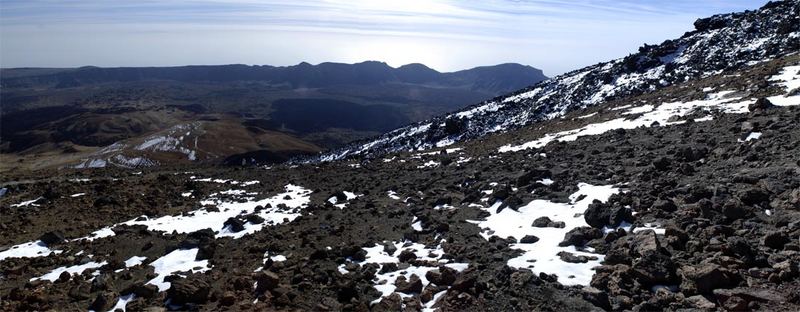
(696, 209)
(718, 44)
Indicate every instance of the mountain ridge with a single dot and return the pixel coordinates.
(298, 76)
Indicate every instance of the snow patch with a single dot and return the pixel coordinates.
(134, 261)
(27, 203)
(28, 250)
(542, 255)
(75, 269)
(661, 115)
(789, 78)
(752, 136)
(179, 260)
(384, 282)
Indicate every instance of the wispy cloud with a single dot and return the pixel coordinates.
(543, 33)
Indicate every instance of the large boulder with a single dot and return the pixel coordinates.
(103, 302)
(760, 104)
(580, 236)
(52, 238)
(597, 214)
(532, 175)
(412, 285)
(188, 290)
(266, 280)
(443, 276)
(705, 277)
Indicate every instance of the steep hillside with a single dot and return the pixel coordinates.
(721, 43)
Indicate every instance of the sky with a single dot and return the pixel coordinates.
(554, 35)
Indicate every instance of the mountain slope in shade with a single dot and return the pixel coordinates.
(55, 115)
(719, 43)
(492, 79)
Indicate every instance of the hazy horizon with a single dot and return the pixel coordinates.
(553, 35)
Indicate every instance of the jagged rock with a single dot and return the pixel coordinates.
(465, 280)
(734, 210)
(234, 224)
(266, 281)
(64, 277)
(573, 258)
(760, 104)
(596, 297)
(340, 196)
(661, 163)
(665, 205)
(753, 196)
(541, 222)
(191, 290)
(529, 239)
(102, 282)
(523, 277)
(103, 302)
(392, 302)
(645, 242)
(254, 219)
(80, 292)
(428, 293)
(146, 291)
(411, 286)
(228, 298)
(52, 238)
(700, 302)
(746, 295)
(532, 175)
(580, 235)
(597, 214)
(655, 268)
(389, 248)
(389, 267)
(775, 240)
(406, 255)
(443, 276)
(706, 277)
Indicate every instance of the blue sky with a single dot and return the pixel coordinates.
(554, 35)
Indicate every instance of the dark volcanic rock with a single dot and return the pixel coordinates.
(529, 239)
(443, 276)
(102, 302)
(761, 103)
(266, 281)
(532, 175)
(52, 238)
(406, 255)
(580, 235)
(573, 258)
(234, 224)
(411, 286)
(597, 214)
(775, 240)
(703, 279)
(188, 290)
